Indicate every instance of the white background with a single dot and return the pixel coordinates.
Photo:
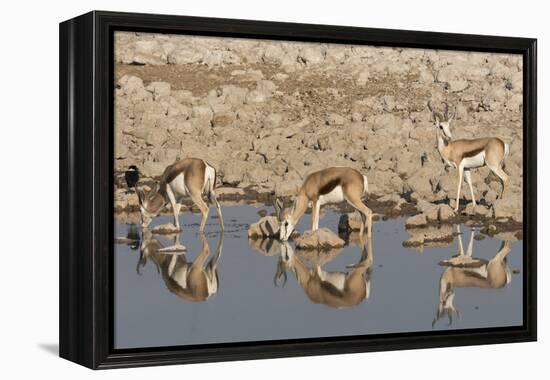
(29, 185)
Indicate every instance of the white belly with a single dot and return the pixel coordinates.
(335, 196)
(180, 276)
(474, 162)
(337, 279)
(178, 186)
(211, 282)
(481, 271)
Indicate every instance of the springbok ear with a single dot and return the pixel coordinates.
(278, 205)
(452, 116)
(281, 272)
(436, 118)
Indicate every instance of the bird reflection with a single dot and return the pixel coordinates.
(133, 237)
(339, 289)
(195, 280)
(464, 270)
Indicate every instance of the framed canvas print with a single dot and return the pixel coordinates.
(238, 189)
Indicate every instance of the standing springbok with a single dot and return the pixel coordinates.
(191, 177)
(334, 289)
(331, 185)
(464, 271)
(467, 154)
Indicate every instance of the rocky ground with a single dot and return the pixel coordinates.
(267, 113)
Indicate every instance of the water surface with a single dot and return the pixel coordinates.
(229, 294)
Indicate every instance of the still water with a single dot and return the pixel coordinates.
(227, 289)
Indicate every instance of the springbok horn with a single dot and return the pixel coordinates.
(434, 113)
(454, 113)
(430, 106)
(278, 204)
(446, 110)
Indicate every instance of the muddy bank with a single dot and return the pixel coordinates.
(426, 233)
(266, 114)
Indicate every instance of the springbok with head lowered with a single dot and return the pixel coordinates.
(334, 289)
(467, 154)
(331, 185)
(195, 280)
(190, 177)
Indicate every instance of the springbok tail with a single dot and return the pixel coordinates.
(210, 186)
(506, 150)
(506, 154)
(365, 185)
(210, 182)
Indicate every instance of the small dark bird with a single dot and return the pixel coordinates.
(132, 176)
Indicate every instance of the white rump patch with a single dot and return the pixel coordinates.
(209, 179)
(337, 279)
(180, 276)
(211, 282)
(481, 271)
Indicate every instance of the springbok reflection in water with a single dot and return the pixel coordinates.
(195, 280)
(335, 289)
(464, 271)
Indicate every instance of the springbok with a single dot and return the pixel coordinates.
(194, 281)
(191, 177)
(467, 154)
(331, 185)
(464, 271)
(334, 289)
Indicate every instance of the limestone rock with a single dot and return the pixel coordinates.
(509, 207)
(152, 169)
(416, 221)
(446, 213)
(148, 51)
(477, 210)
(463, 262)
(424, 206)
(458, 85)
(247, 104)
(287, 188)
(184, 57)
(229, 192)
(389, 198)
(159, 89)
(419, 182)
(165, 229)
(335, 119)
(432, 215)
(431, 234)
(311, 55)
(321, 239)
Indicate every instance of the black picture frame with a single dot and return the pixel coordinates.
(86, 183)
